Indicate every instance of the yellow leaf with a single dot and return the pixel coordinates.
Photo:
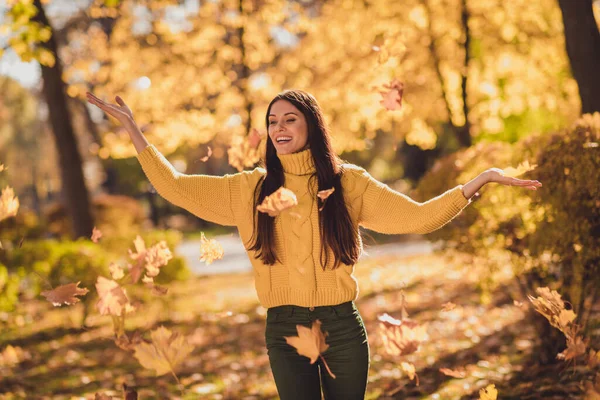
(113, 298)
(210, 250)
(520, 170)
(9, 203)
(488, 393)
(165, 352)
(278, 201)
(96, 234)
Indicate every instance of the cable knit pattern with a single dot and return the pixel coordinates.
(298, 278)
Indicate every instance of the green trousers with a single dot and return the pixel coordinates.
(347, 356)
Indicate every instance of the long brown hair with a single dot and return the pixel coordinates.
(335, 225)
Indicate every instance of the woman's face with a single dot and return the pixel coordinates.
(287, 124)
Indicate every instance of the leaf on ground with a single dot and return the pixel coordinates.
(392, 98)
(9, 203)
(520, 170)
(210, 250)
(113, 298)
(488, 393)
(310, 342)
(13, 355)
(592, 389)
(102, 396)
(165, 351)
(278, 201)
(453, 373)
(593, 359)
(96, 235)
(64, 294)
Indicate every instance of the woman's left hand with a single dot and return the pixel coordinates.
(497, 175)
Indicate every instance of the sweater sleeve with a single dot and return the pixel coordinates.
(212, 198)
(387, 211)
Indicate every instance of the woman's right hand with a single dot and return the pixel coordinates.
(121, 111)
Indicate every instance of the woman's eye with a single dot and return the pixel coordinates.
(291, 120)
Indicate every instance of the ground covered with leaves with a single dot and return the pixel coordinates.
(469, 346)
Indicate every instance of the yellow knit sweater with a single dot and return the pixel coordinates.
(299, 279)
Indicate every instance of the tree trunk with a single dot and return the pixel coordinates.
(582, 40)
(73, 184)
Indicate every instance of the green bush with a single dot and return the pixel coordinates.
(551, 237)
(39, 264)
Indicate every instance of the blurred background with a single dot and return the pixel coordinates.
(487, 83)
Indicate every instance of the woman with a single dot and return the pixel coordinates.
(304, 258)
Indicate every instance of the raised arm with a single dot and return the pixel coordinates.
(212, 198)
(387, 211)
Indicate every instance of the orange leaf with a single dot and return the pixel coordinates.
(453, 373)
(164, 353)
(64, 294)
(392, 98)
(278, 201)
(113, 298)
(310, 342)
(410, 370)
(323, 195)
(206, 157)
(96, 234)
(448, 306)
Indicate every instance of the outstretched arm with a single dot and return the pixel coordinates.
(211, 198)
(388, 211)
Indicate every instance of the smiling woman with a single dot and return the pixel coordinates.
(287, 127)
(303, 258)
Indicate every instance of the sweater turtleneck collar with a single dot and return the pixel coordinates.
(300, 163)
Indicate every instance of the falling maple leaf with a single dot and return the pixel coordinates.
(165, 351)
(453, 373)
(310, 343)
(245, 151)
(9, 203)
(116, 271)
(64, 294)
(323, 195)
(113, 298)
(520, 170)
(576, 346)
(96, 234)
(278, 201)
(401, 337)
(148, 259)
(448, 306)
(488, 393)
(410, 370)
(210, 250)
(392, 98)
(207, 156)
